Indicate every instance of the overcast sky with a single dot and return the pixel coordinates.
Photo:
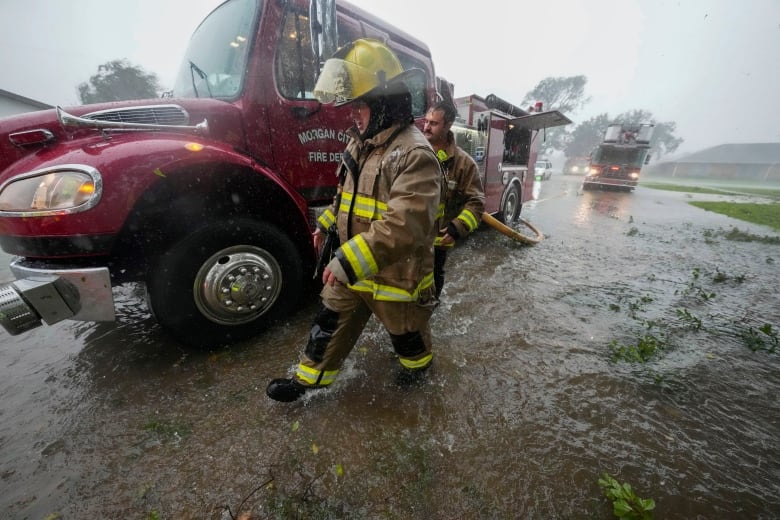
(711, 66)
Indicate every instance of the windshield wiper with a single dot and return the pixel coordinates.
(193, 69)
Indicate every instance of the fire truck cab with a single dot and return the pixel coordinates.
(617, 162)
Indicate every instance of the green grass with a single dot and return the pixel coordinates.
(764, 214)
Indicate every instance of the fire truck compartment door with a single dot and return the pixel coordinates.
(541, 120)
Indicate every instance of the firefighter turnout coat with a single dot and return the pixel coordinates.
(465, 197)
(387, 213)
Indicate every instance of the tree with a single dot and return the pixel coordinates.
(564, 94)
(588, 134)
(118, 80)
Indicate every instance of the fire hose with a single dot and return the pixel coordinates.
(502, 228)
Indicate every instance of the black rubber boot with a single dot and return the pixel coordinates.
(285, 390)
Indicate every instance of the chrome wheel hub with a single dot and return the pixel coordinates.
(237, 284)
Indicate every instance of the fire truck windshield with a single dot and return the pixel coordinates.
(215, 61)
(615, 155)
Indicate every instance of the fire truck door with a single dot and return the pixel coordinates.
(307, 137)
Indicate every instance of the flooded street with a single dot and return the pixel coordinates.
(532, 396)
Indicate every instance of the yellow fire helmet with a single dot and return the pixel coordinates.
(357, 69)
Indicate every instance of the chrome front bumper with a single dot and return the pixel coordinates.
(608, 181)
(53, 295)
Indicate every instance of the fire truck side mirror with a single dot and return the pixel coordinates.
(323, 31)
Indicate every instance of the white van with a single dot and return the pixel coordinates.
(543, 169)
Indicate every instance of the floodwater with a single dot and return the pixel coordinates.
(522, 412)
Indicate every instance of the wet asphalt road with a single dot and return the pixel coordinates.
(522, 412)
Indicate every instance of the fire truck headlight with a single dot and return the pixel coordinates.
(62, 189)
(633, 176)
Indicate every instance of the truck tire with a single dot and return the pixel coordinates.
(225, 282)
(510, 207)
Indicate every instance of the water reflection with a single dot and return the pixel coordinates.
(537, 189)
(612, 204)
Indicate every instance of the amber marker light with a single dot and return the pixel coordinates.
(194, 147)
(87, 188)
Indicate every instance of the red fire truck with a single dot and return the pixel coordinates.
(617, 161)
(208, 196)
(504, 139)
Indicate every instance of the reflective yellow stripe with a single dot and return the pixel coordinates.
(311, 375)
(360, 258)
(369, 208)
(346, 200)
(440, 211)
(416, 363)
(389, 293)
(468, 218)
(366, 207)
(326, 219)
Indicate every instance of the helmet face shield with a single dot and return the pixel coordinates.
(343, 81)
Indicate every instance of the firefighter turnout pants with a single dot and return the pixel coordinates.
(342, 318)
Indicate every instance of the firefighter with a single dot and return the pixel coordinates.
(386, 217)
(465, 199)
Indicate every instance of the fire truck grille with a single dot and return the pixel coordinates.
(613, 174)
(150, 115)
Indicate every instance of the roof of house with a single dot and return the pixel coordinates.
(736, 153)
(22, 99)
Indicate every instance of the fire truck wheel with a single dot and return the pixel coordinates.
(224, 282)
(510, 208)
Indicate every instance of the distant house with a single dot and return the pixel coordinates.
(12, 104)
(750, 161)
